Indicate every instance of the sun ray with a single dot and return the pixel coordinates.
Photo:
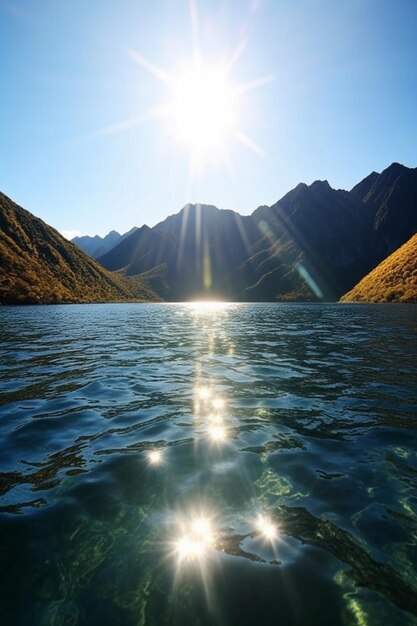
(239, 50)
(250, 144)
(118, 127)
(242, 232)
(254, 84)
(195, 34)
(198, 226)
(203, 104)
(184, 223)
(162, 75)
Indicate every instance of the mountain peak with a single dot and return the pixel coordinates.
(396, 166)
(320, 184)
(206, 251)
(361, 189)
(199, 206)
(299, 187)
(97, 246)
(396, 169)
(394, 172)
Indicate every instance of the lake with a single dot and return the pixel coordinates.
(231, 464)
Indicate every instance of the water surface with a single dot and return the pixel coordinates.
(303, 416)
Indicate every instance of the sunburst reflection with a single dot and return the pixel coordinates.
(155, 457)
(217, 433)
(266, 528)
(195, 537)
(218, 403)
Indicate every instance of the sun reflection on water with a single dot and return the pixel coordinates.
(218, 403)
(206, 306)
(210, 411)
(215, 418)
(155, 457)
(197, 535)
(217, 433)
(189, 548)
(266, 528)
(203, 393)
(197, 540)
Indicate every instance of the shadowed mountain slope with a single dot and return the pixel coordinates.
(195, 251)
(391, 199)
(203, 252)
(148, 252)
(315, 243)
(38, 265)
(319, 231)
(393, 280)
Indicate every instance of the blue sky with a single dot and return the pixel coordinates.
(342, 102)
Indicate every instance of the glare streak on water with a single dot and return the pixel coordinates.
(183, 464)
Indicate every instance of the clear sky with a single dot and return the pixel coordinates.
(331, 93)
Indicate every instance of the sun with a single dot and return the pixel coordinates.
(202, 112)
(204, 107)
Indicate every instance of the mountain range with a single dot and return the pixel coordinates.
(96, 246)
(314, 244)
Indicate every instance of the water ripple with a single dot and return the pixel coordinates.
(306, 413)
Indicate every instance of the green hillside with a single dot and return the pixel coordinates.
(39, 266)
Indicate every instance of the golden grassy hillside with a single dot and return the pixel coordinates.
(393, 280)
(39, 266)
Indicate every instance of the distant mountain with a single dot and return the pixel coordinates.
(393, 280)
(315, 243)
(97, 246)
(195, 251)
(37, 265)
(145, 251)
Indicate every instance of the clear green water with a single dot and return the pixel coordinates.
(317, 433)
